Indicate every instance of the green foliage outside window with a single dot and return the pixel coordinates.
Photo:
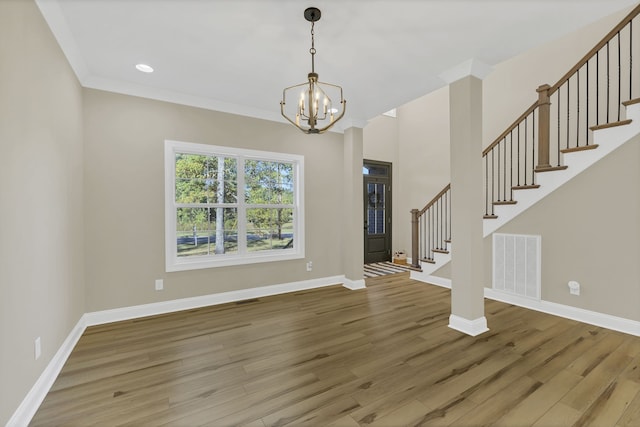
(211, 183)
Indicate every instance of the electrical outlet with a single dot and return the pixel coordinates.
(309, 266)
(159, 284)
(37, 348)
(574, 287)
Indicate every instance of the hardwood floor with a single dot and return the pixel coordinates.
(383, 356)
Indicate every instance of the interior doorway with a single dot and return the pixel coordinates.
(377, 211)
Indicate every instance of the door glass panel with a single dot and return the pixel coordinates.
(379, 170)
(375, 208)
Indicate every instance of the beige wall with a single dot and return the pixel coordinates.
(590, 230)
(417, 143)
(124, 199)
(572, 247)
(511, 87)
(381, 139)
(52, 210)
(41, 219)
(380, 142)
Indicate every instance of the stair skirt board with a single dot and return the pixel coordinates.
(383, 268)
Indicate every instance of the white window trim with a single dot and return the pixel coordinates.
(175, 263)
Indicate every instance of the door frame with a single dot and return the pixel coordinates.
(387, 179)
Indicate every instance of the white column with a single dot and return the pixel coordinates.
(467, 262)
(352, 235)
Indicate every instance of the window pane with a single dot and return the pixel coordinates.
(206, 209)
(375, 209)
(379, 170)
(192, 231)
(192, 172)
(205, 179)
(269, 228)
(197, 231)
(223, 178)
(268, 182)
(224, 231)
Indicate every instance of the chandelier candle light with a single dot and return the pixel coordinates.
(314, 104)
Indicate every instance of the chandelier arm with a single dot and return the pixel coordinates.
(288, 119)
(335, 120)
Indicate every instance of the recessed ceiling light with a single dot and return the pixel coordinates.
(144, 68)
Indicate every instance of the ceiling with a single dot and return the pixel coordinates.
(237, 55)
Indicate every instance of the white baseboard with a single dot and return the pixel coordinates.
(620, 324)
(432, 280)
(608, 321)
(32, 401)
(470, 327)
(30, 404)
(136, 311)
(354, 284)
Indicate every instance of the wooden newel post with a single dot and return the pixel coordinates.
(544, 117)
(415, 256)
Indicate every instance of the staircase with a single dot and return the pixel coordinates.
(606, 140)
(591, 111)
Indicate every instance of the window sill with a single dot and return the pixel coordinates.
(228, 260)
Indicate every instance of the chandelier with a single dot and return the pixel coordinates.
(313, 110)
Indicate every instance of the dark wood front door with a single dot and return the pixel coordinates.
(377, 211)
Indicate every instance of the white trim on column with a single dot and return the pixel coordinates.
(348, 123)
(354, 284)
(470, 67)
(470, 327)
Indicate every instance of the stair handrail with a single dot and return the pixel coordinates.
(539, 131)
(552, 89)
(417, 218)
(515, 124)
(435, 199)
(607, 38)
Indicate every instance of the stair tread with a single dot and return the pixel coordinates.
(550, 168)
(631, 102)
(429, 260)
(610, 125)
(490, 216)
(440, 251)
(581, 148)
(525, 187)
(505, 202)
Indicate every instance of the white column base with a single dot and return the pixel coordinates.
(354, 284)
(469, 327)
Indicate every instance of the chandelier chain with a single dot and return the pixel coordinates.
(312, 51)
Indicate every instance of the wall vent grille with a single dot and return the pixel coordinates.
(516, 264)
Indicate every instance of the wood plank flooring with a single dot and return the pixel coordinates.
(383, 356)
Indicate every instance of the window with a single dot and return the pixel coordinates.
(229, 206)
